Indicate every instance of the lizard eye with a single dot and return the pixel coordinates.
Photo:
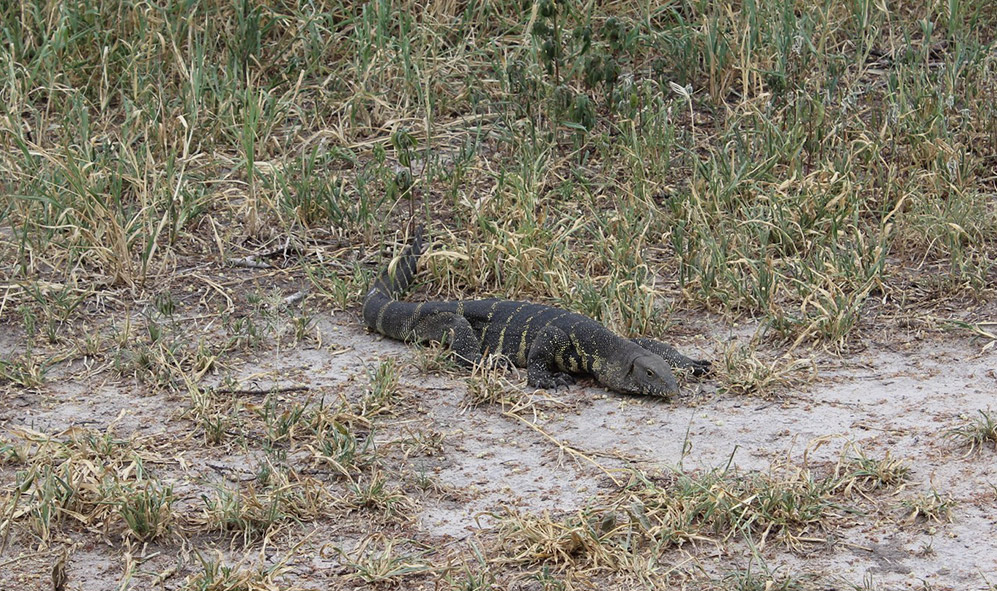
(650, 374)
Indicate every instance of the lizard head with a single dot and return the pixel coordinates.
(650, 375)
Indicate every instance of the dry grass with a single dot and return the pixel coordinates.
(976, 432)
(187, 185)
(741, 372)
(629, 531)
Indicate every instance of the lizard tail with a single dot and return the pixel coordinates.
(394, 279)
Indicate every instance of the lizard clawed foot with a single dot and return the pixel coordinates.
(553, 381)
(701, 367)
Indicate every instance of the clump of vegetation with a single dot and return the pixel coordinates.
(788, 505)
(977, 432)
(383, 388)
(91, 479)
(862, 473)
(373, 492)
(488, 383)
(740, 371)
(376, 560)
(257, 511)
(929, 506)
(215, 574)
(148, 510)
(26, 372)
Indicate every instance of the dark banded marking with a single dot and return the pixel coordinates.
(500, 346)
(380, 315)
(580, 351)
(575, 361)
(490, 324)
(521, 350)
(409, 327)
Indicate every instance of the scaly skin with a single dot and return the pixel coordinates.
(552, 344)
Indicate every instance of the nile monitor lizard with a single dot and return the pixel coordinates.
(549, 342)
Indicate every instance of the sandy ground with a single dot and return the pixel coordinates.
(558, 455)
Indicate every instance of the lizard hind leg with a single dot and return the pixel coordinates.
(452, 330)
(673, 357)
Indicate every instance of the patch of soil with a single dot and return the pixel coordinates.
(559, 455)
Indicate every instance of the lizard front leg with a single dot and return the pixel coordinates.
(545, 360)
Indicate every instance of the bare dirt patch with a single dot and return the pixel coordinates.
(462, 473)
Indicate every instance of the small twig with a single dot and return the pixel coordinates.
(296, 297)
(249, 262)
(263, 391)
(166, 574)
(565, 447)
(10, 522)
(23, 557)
(219, 289)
